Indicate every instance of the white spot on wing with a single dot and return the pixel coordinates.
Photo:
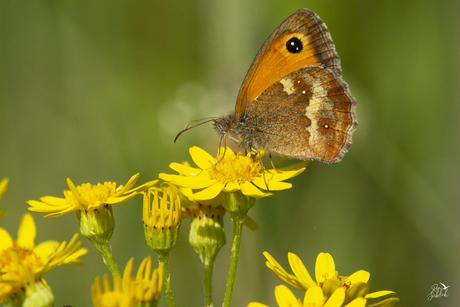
(288, 85)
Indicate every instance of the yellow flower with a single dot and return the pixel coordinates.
(144, 289)
(231, 173)
(314, 297)
(355, 285)
(22, 264)
(88, 197)
(161, 216)
(162, 207)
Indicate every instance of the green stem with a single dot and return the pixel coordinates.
(164, 257)
(238, 218)
(107, 255)
(208, 282)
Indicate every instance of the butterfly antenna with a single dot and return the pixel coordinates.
(201, 122)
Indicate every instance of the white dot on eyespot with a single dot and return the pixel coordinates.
(326, 126)
(304, 92)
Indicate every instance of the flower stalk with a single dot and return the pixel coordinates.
(164, 259)
(238, 205)
(207, 236)
(238, 220)
(208, 269)
(108, 258)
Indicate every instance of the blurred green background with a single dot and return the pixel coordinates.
(97, 90)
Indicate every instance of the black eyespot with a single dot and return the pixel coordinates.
(294, 45)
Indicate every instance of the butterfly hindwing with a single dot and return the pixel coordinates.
(308, 114)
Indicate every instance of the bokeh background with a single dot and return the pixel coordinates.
(97, 90)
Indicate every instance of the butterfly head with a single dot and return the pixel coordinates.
(234, 129)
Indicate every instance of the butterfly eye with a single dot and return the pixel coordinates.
(294, 45)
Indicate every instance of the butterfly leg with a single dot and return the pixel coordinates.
(273, 165)
(221, 157)
(262, 164)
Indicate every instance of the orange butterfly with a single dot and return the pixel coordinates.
(293, 101)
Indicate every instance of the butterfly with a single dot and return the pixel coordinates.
(293, 101)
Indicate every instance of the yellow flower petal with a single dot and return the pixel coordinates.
(324, 268)
(195, 182)
(75, 192)
(53, 201)
(46, 248)
(255, 304)
(232, 187)
(209, 192)
(55, 214)
(379, 294)
(3, 186)
(27, 232)
(285, 298)
(294, 167)
(280, 175)
(336, 298)
(358, 302)
(5, 239)
(249, 189)
(290, 279)
(127, 186)
(201, 158)
(298, 268)
(186, 170)
(128, 272)
(314, 297)
(66, 253)
(274, 178)
(37, 206)
(144, 186)
(115, 200)
(273, 185)
(359, 276)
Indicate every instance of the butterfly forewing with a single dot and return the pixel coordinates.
(301, 40)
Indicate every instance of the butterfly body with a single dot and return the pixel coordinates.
(293, 101)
